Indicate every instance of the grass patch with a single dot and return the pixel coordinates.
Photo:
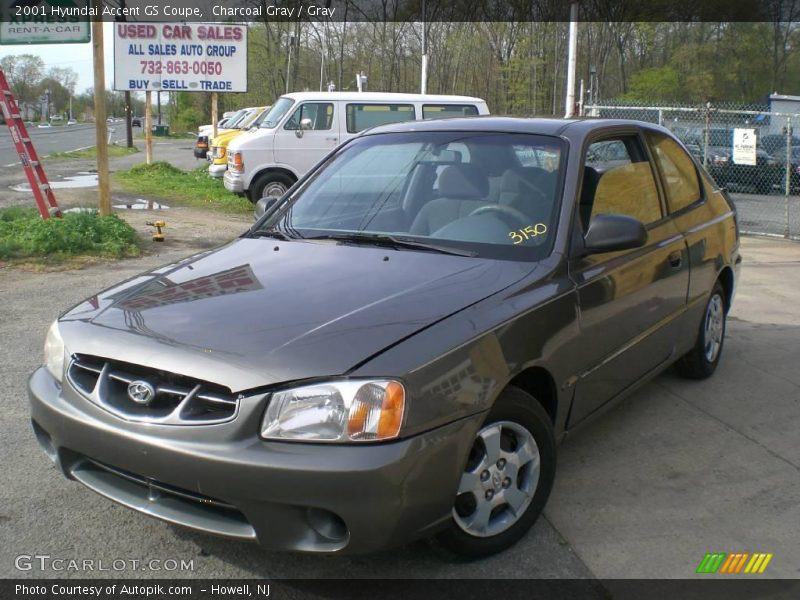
(195, 188)
(24, 235)
(113, 151)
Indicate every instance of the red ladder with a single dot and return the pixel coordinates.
(27, 153)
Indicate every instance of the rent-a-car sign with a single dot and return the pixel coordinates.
(194, 57)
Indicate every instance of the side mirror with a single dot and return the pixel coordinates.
(610, 233)
(305, 125)
(264, 205)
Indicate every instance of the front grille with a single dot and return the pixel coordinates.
(177, 400)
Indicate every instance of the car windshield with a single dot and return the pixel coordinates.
(232, 119)
(260, 119)
(487, 194)
(275, 114)
(251, 118)
(241, 118)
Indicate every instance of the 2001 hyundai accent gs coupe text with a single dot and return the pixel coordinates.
(396, 346)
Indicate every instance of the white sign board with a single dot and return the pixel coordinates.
(193, 57)
(55, 22)
(744, 146)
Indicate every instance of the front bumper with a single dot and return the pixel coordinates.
(223, 479)
(216, 171)
(233, 182)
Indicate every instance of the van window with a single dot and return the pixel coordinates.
(440, 111)
(320, 113)
(364, 116)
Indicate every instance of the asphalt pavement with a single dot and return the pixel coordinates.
(54, 139)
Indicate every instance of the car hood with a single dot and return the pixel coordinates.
(261, 311)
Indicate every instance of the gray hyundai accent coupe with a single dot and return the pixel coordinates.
(397, 345)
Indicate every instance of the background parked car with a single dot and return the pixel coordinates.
(794, 169)
(775, 142)
(762, 178)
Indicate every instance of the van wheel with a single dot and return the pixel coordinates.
(702, 360)
(507, 479)
(270, 184)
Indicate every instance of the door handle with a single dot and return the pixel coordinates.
(331, 139)
(675, 259)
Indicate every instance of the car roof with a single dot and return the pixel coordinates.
(543, 126)
(378, 97)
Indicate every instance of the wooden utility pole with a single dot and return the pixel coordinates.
(148, 128)
(214, 111)
(100, 129)
(128, 108)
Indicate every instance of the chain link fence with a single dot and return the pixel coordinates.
(765, 189)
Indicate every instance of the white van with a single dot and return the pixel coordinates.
(301, 128)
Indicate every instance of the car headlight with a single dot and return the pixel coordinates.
(54, 352)
(337, 411)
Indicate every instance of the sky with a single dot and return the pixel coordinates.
(75, 56)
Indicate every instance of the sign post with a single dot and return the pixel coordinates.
(148, 127)
(214, 115)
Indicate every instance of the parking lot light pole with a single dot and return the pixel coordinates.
(423, 86)
(572, 60)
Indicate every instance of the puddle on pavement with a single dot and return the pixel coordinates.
(83, 179)
(141, 204)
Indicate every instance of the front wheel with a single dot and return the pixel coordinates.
(702, 360)
(507, 478)
(270, 184)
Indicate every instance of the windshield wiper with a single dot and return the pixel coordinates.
(382, 239)
(273, 233)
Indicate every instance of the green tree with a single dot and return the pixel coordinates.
(24, 74)
(656, 83)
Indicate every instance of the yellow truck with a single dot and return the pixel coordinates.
(217, 151)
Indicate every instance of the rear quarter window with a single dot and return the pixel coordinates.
(441, 111)
(677, 171)
(364, 116)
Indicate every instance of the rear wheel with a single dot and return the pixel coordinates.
(702, 360)
(507, 478)
(270, 184)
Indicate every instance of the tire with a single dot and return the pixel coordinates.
(269, 184)
(702, 360)
(524, 433)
